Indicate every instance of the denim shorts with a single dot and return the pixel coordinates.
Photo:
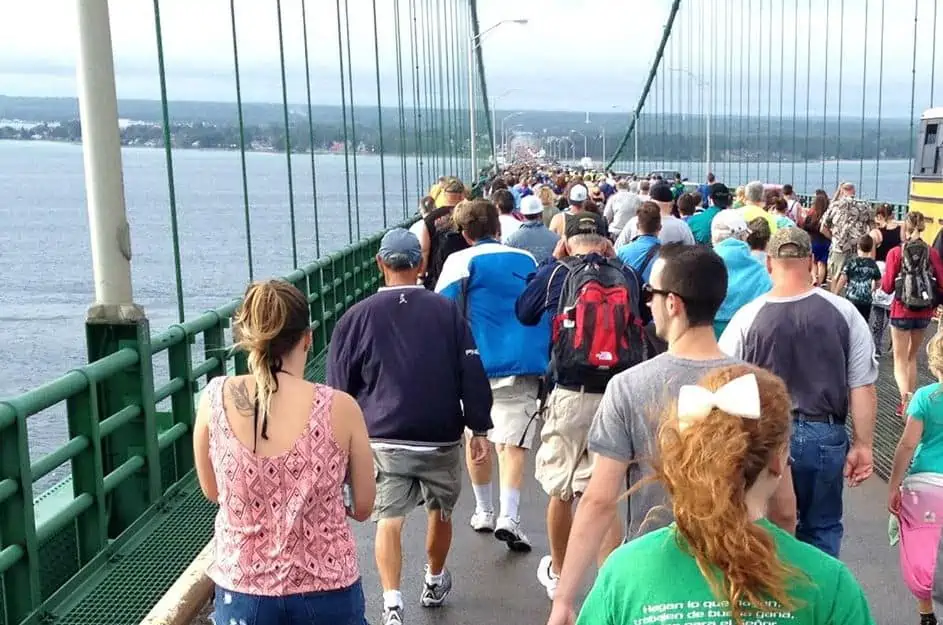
(344, 606)
(910, 324)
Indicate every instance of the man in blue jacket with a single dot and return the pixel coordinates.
(485, 280)
(563, 464)
(418, 396)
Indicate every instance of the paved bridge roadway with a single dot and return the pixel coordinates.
(493, 585)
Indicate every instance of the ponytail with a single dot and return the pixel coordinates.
(914, 225)
(270, 322)
(707, 466)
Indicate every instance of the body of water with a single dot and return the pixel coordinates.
(45, 265)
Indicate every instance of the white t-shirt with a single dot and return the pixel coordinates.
(417, 228)
(508, 225)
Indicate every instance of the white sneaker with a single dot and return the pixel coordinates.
(546, 576)
(482, 521)
(508, 530)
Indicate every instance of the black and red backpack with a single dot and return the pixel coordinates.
(595, 334)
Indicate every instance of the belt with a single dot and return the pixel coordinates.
(819, 418)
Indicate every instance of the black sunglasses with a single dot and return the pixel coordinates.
(649, 292)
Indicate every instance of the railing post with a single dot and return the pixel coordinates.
(316, 307)
(183, 401)
(88, 472)
(138, 437)
(21, 590)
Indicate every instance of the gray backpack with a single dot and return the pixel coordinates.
(915, 285)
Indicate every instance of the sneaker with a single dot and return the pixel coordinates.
(546, 576)
(482, 521)
(434, 594)
(509, 531)
(393, 616)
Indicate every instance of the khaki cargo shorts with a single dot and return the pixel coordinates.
(836, 261)
(513, 410)
(563, 463)
(408, 478)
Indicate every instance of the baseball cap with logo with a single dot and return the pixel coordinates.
(586, 223)
(789, 243)
(530, 205)
(661, 192)
(400, 249)
(728, 224)
(578, 193)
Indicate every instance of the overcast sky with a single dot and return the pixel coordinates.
(588, 55)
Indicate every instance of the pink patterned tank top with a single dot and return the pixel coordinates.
(282, 526)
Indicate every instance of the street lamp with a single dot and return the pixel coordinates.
(494, 123)
(585, 144)
(473, 43)
(701, 83)
(503, 135)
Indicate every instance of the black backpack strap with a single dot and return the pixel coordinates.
(649, 257)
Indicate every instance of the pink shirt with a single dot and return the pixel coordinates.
(282, 526)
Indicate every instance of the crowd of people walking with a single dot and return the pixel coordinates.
(685, 363)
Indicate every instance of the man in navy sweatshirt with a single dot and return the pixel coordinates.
(409, 358)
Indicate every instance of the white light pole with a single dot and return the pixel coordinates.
(507, 137)
(701, 83)
(474, 42)
(503, 134)
(494, 123)
(635, 137)
(101, 149)
(585, 144)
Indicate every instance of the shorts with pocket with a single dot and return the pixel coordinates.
(563, 463)
(514, 412)
(906, 323)
(408, 478)
(836, 261)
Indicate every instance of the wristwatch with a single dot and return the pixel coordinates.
(482, 433)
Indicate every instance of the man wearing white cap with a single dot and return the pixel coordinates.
(533, 235)
(576, 196)
(747, 279)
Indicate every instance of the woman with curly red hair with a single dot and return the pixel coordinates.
(722, 451)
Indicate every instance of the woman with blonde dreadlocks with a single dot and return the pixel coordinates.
(722, 451)
(273, 451)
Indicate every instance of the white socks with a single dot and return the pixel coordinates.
(434, 580)
(483, 497)
(392, 599)
(510, 502)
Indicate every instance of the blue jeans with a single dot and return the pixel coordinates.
(818, 462)
(331, 607)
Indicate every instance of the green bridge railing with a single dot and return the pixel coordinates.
(126, 457)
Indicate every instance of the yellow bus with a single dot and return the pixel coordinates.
(926, 183)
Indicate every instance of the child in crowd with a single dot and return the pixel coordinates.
(860, 276)
(880, 314)
(916, 486)
(758, 239)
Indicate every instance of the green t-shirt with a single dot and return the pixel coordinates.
(700, 225)
(653, 581)
(927, 406)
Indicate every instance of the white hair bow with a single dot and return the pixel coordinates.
(740, 397)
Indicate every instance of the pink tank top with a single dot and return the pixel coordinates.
(282, 526)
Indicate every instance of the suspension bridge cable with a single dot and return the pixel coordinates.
(913, 84)
(728, 90)
(400, 95)
(376, 59)
(340, 55)
(841, 76)
(864, 93)
(749, 79)
(314, 175)
(825, 94)
(353, 118)
(172, 195)
(639, 107)
(808, 98)
(740, 80)
(417, 109)
(769, 95)
(242, 139)
(782, 84)
(436, 33)
(795, 92)
(877, 163)
(291, 190)
(759, 94)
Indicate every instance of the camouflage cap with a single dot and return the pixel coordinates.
(789, 243)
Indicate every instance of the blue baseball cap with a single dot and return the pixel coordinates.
(400, 249)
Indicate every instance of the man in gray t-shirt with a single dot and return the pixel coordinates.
(686, 287)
